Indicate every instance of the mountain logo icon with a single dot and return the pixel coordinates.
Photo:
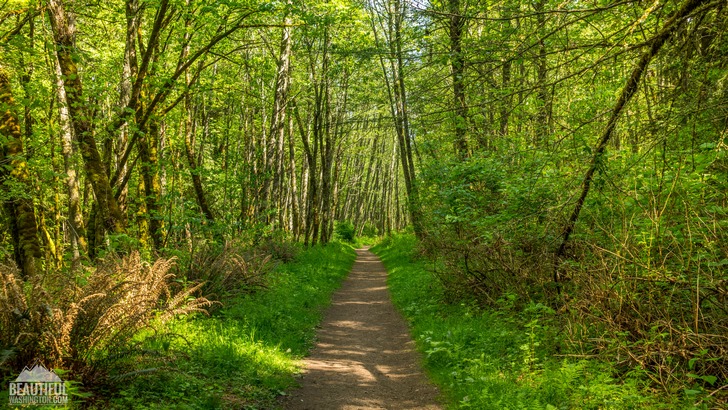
(38, 374)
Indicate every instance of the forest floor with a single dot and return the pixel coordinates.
(364, 357)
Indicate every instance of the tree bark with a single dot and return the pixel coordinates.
(192, 161)
(147, 147)
(311, 185)
(14, 170)
(129, 72)
(75, 217)
(274, 164)
(295, 202)
(398, 104)
(189, 137)
(543, 116)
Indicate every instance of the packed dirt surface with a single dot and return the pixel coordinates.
(364, 357)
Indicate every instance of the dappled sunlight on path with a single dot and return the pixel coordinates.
(365, 357)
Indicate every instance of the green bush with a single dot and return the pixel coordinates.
(369, 230)
(345, 231)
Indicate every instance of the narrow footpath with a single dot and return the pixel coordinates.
(364, 357)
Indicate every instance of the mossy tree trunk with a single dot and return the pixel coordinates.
(75, 218)
(14, 178)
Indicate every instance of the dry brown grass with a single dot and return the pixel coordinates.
(228, 271)
(86, 323)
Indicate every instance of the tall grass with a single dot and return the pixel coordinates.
(509, 357)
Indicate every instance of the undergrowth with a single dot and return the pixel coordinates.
(245, 355)
(86, 324)
(509, 357)
(229, 270)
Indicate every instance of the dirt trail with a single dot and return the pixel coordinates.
(365, 357)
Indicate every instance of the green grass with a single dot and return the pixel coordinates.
(248, 352)
(501, 358)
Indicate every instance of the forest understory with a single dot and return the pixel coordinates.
(562, 165)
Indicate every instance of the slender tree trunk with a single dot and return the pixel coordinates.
(129, 72)
(295, 203)
(507, 102)
(75, 217)
(326, 150)
(192, 161)
(392, 191)
(311, 186)
(398, 103)
(25, 78)
(274, 164)
(147, 146)
(189, 138)
(543, 116)
(413, 201)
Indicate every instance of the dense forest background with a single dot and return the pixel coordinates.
(567, 153)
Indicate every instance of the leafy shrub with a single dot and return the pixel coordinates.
(86, 324)
(369, 230)
(345, 231)
(643, 279)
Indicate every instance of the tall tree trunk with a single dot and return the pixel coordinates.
(322, 137)
(543, 116)
(75, 217)
(19, 208)
(64, 32)
(25, 78)
(332, 128)
(192, 161)
(457, 66)
(129, 71)
(274, 164)
(311, 184)
(326, 151)
(147, 146)
(392, 191)
(142, 215)
(295, 202)
(413, 201)
(190, 135)
(507, 101)
(398, 103)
